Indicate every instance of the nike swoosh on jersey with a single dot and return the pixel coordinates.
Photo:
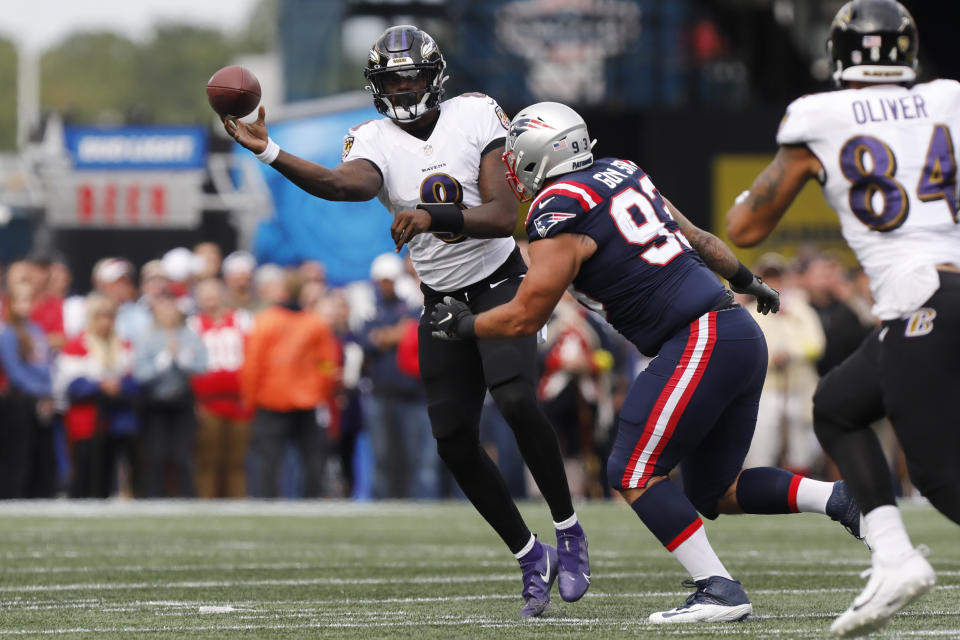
(545, 202)
(497, 284)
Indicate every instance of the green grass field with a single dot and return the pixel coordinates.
(341, 570)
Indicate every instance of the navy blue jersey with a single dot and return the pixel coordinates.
(644, 276)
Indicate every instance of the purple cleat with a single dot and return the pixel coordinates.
(574, 574)
(539, 572)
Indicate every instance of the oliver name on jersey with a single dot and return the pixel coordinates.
(644, 275)
(443, 168)
(890, 165)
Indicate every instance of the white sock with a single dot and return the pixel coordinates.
(812, 495)
(526, 548)
(698, 557)
(566, 524)
(885, 532)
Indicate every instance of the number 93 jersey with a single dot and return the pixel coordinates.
(644, 277)
(890, 168)
(443, 168)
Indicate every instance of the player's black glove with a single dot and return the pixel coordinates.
(452, 320)
(768, 298)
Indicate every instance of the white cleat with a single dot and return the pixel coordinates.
(892, 586)
(715, 600)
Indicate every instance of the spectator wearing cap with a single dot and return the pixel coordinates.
(269, 281)
(406, 463)
(26, 456)
(223, 423)
(238, 268)
(784, 432)
(113, 277)
(181, 267)
(289, 371)
(167, 355)
(93, 377)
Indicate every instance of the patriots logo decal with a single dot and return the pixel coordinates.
(547, 221)
(526, 124)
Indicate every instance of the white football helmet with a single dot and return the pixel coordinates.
(545, 140)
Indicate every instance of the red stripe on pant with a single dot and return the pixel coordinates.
(684, 399)
(668, 388)
(685, 534)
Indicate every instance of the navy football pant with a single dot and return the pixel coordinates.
(910, 371)
(696, 403)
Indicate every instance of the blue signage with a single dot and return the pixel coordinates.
(345, 236)
(137, 147)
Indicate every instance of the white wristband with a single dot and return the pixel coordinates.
(268, 155)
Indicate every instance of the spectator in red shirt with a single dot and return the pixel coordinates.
(94, 375)
(223, 423)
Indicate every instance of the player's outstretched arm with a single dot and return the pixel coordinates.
(354, 180)
(757, 211)
(720, 259)
(554, 263)
(496, 217)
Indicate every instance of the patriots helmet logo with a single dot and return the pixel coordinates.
(547, 221)
(526, 124)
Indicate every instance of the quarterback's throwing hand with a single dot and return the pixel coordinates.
(452, 320)
(252, 135)
(408, 223)
(768, 298)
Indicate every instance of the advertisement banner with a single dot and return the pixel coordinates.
(137, 148)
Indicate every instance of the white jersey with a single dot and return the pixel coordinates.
(443, 168)
(890, 163)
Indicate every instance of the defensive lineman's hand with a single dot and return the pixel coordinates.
(407, 224)
(452, 320)
(251, 135)
(768, 298)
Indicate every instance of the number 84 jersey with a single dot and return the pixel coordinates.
(890, 172)
(644, 276)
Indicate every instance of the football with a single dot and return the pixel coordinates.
(233, 91)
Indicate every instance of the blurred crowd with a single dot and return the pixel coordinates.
(198, 375)
(825, 314)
